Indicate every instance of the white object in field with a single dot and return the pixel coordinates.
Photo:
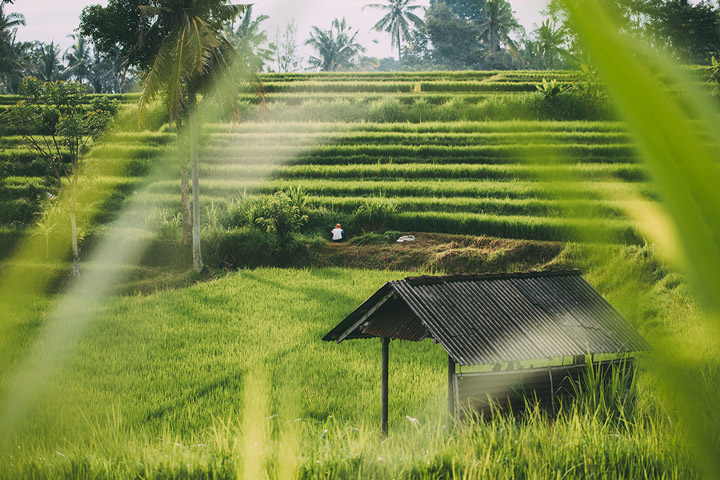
(406, 238)
(337, 234)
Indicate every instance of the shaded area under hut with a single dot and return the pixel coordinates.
(498, 319)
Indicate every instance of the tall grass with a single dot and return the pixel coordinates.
(218, 380)
(671, 134)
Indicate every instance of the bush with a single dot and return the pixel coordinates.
(240, 247)
(283, 214)
(323, 219)
(387, 111)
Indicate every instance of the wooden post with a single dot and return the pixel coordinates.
(384, 394)
(451, 389)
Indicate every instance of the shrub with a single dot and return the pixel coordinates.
(239, 247)
(281, 215)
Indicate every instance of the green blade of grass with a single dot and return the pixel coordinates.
(684, 169)
(682, 165)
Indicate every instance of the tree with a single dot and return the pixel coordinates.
(624, 12)
(397, 21)
(48, 65)
(455, 40)
(58, 122)
(23, 56)
(499, 23)
(464, 9)
(248, 39)
(180, 44)
(9, 24)
(336, 48)
(690, 32)
(417, 53)
(80, 60)
(110, 73)
(285, 47)
(192, 55)
(546, 49)
(120, 27)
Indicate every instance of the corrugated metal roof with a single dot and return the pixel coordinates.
(494, 318)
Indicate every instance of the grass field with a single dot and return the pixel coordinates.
(228, 378)
(217, 380)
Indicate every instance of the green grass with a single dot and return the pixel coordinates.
(228, 378)
(186, 382)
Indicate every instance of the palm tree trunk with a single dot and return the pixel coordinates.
(72, 184)
(194, 133)
(75, 249)
(184, 188)
(399, 49)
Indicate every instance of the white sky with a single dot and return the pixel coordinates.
(54, 19)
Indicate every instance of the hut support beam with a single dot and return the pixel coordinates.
(451, 389)
(384, 393)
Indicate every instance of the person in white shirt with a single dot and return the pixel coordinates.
(338, 234)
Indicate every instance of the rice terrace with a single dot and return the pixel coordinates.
(417, 239)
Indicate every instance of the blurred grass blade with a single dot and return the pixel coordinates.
(672, 133)
(681, 163)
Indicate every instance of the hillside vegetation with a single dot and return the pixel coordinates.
(452, 152)
(228, 378)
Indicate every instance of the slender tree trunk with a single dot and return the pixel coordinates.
(184, 188)
(399, 48)
(493, 46)
(75, 249)
(73, 206)
(194, 133)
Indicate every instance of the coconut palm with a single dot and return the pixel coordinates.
(80, 59)
(193, 52)
(397, 21)
(9, 24)
(248, 39)
(110, 73)
(499, 23)
(336, 48)
(549, 41)
(48, 65)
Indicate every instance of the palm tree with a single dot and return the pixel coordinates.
(80, 59)
(9, 24)
(248, 39)
(336, 47)
(549, 41)
(48, 63)
(500, 22)
(193, 52)
(397, 21)
(109, 73)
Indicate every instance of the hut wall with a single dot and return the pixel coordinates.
(479, 392)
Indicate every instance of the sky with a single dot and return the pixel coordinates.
(49, 20)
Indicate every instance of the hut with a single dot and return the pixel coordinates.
(497, 319)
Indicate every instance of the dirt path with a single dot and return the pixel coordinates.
(439, 252)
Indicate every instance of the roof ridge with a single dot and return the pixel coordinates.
(459, 277)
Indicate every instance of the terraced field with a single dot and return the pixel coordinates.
(523, 178)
